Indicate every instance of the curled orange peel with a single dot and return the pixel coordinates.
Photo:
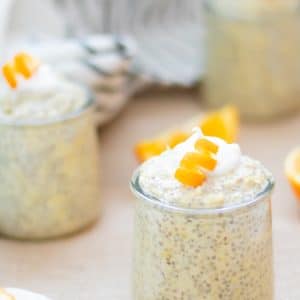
(190, 177)
(26, 64)
(207, 145)
(203, 159)
(10, 75)
(192, 164)
(23, 64)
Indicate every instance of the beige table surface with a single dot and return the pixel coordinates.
(96, 263)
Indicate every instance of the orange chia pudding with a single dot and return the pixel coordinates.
(203, 230)
(49, 175)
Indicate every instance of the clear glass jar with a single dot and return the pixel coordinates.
(49, 176)
(207, 254)
(253, 56)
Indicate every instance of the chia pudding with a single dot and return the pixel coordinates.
(49, 175)
(252, 56)
(210, 242)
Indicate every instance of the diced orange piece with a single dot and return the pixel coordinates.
(10, 75)
(292, 170)
(26, 64)
(176, 138)
(207, 145)
(192, 178)
(223, 124)
(194, 160)
(147, 149)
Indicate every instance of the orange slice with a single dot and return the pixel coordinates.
(192, 178)
(223, 124)
(149, 148)
(25, 64)
(10, 75)
(292, 170)
(176, 138)
(194, 160)
(207, 145)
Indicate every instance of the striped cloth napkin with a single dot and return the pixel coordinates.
(101, 62)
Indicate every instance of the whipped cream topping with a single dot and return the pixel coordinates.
(19, 294)
(237, 178)
(45, 95)
(228, 156)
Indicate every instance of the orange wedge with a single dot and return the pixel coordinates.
(192, 178)
(152, 147)
(223, 124)
(149, 148)
(207, 145)
(292, 170)
(10, 75)
(176, 138)
(195, 160)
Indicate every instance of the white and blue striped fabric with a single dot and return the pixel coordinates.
(169, 33)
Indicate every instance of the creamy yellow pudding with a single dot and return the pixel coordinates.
(212, 241)
(49, 175)
(253, 56)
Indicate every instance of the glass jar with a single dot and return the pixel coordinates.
(212, 254)
(49, 176)
(253, 56)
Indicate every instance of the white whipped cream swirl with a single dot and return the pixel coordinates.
(228, 155)
(44, 96)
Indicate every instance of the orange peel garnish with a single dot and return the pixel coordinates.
(292, 170)
(6, 295)
(207, 145)
(23, 64)
(190, 177)
(199, 159)
(193, 163)
(10, 75)
(26, 64)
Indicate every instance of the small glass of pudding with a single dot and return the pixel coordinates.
(203, 226)
(49, 175)
(253, 56)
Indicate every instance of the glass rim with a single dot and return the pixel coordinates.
(139, 193)
(88, 105)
